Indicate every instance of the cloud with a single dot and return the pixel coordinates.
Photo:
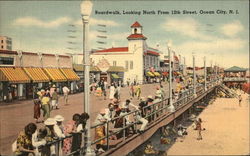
(218, 51)
(35, 22)
(187, 26)
(232, 29)
(112, 39)
(94, 21)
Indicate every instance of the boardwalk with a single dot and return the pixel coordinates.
(14, 117)
(227, 130)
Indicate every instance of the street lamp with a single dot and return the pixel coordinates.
(194, 75)
(205, 74)
(86, 8)
(171, 107)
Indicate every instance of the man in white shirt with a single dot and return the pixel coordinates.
(109, 112)
(128, 103)
(58, 127)
(138, 115)
(65, 94)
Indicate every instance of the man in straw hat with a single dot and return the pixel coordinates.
(49, 126)
(58, 127)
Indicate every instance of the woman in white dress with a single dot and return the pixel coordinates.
(112, 92)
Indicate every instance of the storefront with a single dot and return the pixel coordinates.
(57, 77)
(38, 78)
(13, 83)
(94, 75)
(116, 74)
(72, 79)
(149, 77)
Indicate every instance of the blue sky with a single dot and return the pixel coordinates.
(42, 26)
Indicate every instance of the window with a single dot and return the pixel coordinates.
(126, 64)
(1, 41)
(2, 47)
(114, 63)
(6, 61)
(131, 65)
(135, 30)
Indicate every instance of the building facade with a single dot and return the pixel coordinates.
(5, 43)
(136, 58)
(21, 73)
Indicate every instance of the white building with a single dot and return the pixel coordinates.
(5, 43)
(137, 58)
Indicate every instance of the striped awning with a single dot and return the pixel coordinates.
(13, 75)
(70, 74)
(36, 74)
(150, 74)
(157, 74)
(55, 74)
(165, 73)
(115, 76)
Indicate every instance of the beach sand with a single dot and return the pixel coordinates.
(227, 130)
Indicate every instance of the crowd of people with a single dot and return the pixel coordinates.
(124, 113)
(118, 113)
(48, 100)
(34, 141)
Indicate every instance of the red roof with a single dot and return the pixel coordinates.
(150, 52)
(136, 24)
(136, 36)
(117, 49)
(8, 52)
(176, 58)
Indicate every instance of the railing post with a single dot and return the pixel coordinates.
(108, 135)
(124, 132)
(57, 148)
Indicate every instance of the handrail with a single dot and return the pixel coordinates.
(158, 110)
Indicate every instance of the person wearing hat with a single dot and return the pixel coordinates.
(51, 135)
(45, 101)
(143, 104)
(52, 89)
(149, 109)
(54, 99)
(58, 127)
(100, 130)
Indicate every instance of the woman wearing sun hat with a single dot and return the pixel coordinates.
(49, 126)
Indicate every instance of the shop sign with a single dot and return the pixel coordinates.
(103, 65)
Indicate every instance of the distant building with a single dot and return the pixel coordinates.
(136, 58)
(5, 43)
